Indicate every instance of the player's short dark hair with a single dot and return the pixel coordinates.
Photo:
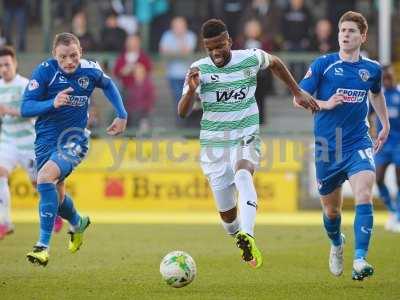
(213, 28)
(7, 51)
(66, 39)
(359, 19)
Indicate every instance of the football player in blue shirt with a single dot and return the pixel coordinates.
(58, 95)
(390, 153)
(344, 150)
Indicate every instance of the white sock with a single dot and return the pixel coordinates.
(247, 200)
(5, 207)
(231, 228)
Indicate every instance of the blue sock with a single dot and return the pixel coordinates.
(385, 197)
(48, 206)
(332, 227)
(68, 212)
(363, 224)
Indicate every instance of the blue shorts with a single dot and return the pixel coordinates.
(389, 154)
(66, 156)
(332, 172)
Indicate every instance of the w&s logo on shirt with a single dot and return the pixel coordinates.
(237, 94)
(351, 95)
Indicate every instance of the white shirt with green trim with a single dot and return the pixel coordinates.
(16, 130)
(230, 110)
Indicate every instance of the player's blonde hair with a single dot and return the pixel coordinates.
(359, 19)
(65, 38)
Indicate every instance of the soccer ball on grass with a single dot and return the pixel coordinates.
(178, 269)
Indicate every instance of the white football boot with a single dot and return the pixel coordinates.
(336, 258)
(361, 269)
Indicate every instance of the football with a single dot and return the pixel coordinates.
(178, 269)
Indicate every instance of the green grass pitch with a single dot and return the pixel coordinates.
(122, 262)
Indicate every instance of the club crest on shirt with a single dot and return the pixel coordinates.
(247, 73)
(364, 74)
(33, 85)
(83, 82)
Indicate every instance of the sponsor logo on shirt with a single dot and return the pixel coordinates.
(214, 77)
(33, 85)
(77, 101)
(339, 71)
(364, 74)
(352, 96)
(237, 94)
(62, 79)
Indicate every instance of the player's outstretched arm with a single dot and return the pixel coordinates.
(185, 104)
(119, 123)
(302, 98)
(332, 102)
(31, 107)
(379, 104)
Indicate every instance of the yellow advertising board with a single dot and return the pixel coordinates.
(123, 154)
(144, 176)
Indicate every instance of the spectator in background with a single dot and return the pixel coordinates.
(254, 37)
(133, 69)
(79, 28)
(323, 40)
(269, 15)
(335, 9)
(15, 9)
(112, 37)
(128, 23)
(230, 11)
(63, 11)
(128, 60)
(140, 100)
(296, 28)
(177, 45)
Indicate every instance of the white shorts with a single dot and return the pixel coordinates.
(11, 157)
(219, 164)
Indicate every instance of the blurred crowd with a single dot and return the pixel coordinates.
(139, 32)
